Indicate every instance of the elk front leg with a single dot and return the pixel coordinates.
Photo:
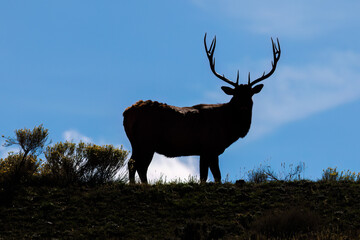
(214, 167)
(132, 170)
(204, 168)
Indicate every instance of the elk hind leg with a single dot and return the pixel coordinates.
(143, 165)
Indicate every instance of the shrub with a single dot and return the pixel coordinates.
(258, 175)
(349, 176)
(332, 175)
(87, 163)
(31, 143)
(288, 173)
(103, 162)
(17, 168)
(292, 172)
(63, 162)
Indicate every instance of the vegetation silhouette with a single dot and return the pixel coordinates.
(205, 129)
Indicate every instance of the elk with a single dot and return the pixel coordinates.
(205, 129)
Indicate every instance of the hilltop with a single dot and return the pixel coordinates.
(296, 210)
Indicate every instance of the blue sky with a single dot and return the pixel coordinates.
(74, 66)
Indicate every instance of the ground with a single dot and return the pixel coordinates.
(296, 210)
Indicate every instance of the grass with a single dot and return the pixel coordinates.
(271, 210)
(54, 200)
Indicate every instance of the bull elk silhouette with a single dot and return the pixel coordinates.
(205, 129)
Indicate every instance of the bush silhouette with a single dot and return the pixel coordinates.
(10, 169)
(31, 143)
(82, 163)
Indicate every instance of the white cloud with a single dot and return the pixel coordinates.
(75, 136)
(286, 18)
(298, 92)
(172, 168)
(4, 151)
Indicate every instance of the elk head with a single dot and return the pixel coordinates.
(242, 92)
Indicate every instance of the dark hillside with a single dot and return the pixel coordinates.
(296, 210)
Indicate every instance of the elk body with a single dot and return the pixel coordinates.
(205, 129)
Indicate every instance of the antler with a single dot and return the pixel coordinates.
(276, 53)
(210, 55)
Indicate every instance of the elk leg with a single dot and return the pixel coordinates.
(204, 169)
(214, 167)
(143, 165)
(132, 169)
(142, 175)
(132, 164)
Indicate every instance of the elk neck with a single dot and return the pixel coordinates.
(239, 114)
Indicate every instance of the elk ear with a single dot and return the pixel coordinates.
(257, 88)
(228, 90)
